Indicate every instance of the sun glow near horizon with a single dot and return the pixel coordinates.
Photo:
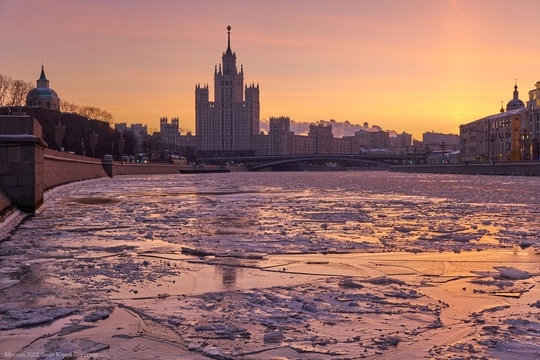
(405, 66)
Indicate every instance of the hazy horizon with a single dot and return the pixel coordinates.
(413, 66)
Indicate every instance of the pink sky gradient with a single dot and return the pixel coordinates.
(406, 65)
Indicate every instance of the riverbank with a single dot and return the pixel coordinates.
(29, 167)
(510, 169)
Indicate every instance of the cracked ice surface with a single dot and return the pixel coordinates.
(276, 265)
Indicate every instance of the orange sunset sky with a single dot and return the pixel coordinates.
(405, 65)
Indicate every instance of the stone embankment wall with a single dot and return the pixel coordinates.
(517, 169)
(5, 202)
(120, 168)
(28, 168)
(62, 168)
(58, 168)
(21, 161)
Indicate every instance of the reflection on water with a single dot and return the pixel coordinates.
(228, 275)
(252, 214)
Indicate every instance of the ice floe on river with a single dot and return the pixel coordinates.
(276, 266)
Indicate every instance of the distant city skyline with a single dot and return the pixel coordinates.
(413, 66)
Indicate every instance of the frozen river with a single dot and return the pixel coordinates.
(274, 265)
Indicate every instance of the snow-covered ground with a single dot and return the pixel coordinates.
(329, 265)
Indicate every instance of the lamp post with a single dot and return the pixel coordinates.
(59, 132)
(443, 148)
(525, 152)
(121, 145)
(426, 153)
(492, 140)
(93, 142)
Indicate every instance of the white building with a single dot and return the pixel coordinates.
(440, 141)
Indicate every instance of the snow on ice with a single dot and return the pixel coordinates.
(277, 266)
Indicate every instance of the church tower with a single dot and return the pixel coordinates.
(43, 95)
(515, 103)
(227, 125)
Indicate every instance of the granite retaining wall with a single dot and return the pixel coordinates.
(28, 168)
(49, 168)
(5, 202)
(62, 168)
(21, 161)
(515, 169)
(120, 168)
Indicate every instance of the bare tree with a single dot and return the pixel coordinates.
(68, 107)
(19, 90)
(95, 113)
(90, 112)
(14, 92)
(106, 116)
(6, 82)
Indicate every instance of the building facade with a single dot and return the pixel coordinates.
(228, 125)
(170, 133)
(530, 142)
(440, 142)
(511, 135)
(140, 132)
(323, 138)
(403, 141)
(280, 136)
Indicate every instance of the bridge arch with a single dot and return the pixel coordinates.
(302, 159)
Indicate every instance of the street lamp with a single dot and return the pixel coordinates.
(59, 132)
(492, 140)
(443, 148)
(525, 144)
(93, 142)
(121, 145)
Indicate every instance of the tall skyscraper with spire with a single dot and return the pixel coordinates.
(227, 125)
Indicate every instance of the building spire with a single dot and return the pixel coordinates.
(42, 81)
(42, 76)
(515, 103)
(229, 38)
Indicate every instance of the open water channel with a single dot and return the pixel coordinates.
(276, 265)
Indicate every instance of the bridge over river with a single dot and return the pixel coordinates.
(255, 163)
